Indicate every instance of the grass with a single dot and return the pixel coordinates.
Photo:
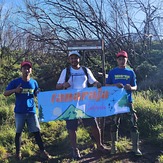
(150, 115)
(56, 139)
(123, 144)
(160, 159)
(3, 152)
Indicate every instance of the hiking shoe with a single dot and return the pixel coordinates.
(18, 156)
(75, 153)
(45, 155)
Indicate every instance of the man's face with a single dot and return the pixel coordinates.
(74, 60)
(122, 61)
(26, 70)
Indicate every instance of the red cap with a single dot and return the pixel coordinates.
(122, 54)
(26, 63)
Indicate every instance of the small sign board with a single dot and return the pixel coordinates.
(84, 45)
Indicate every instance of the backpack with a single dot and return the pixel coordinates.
(68, 74)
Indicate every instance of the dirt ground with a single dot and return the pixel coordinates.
(150, 155)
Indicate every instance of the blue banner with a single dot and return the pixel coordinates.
(85, 103)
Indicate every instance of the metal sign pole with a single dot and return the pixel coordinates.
(103, 62)
(102, 120)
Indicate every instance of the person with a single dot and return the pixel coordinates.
(78, 80)
(25, 89)
(124, 77)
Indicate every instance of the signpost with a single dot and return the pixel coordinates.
(84, 45)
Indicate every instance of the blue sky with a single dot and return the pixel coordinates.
(17, 3)
(14, 2)
(11, 3)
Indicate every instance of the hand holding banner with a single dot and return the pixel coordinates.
(85, 103)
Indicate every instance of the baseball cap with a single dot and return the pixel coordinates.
(73, 53)
(122, 54)
(26, 63)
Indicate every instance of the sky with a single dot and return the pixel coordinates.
(11, 3)
(139, 17)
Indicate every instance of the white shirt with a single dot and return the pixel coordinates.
(78, 78)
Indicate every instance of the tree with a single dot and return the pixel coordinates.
(47, 25)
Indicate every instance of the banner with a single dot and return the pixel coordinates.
(85, 103)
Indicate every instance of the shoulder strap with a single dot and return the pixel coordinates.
(67, 74)
(85, 71)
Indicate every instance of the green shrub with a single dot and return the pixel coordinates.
(151, 95)
(84, 137)
(160, 159)
(123, 144)
(6, 110)
(145, 69)
(3, 152)
(29, 148)
(7, 135)
(52, 130)
(3, 114)
(150, 116)
(7, 101)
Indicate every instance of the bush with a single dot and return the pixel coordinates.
(7, 136)
(123, 144)
(145, 70)
(150, 77)
(3, 152)
(6, 110)
(150, 116)
(160, 159)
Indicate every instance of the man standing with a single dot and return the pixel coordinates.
(78, 80)
(25, 88)
(123, 77)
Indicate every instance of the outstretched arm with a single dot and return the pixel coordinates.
(18, 89)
